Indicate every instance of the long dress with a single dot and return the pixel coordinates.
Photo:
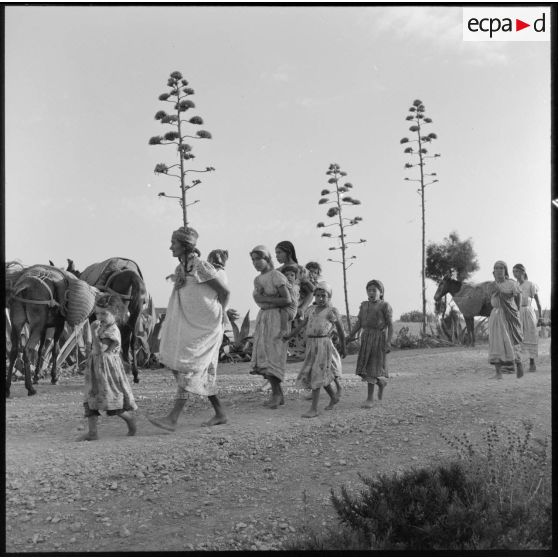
(374, 319)
(192, 332)
(322, 362)
(528, 319)
(504, 327)
(106, 386)
(269, 352)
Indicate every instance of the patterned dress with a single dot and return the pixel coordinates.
(322, 362)
(269, 352)
(193, 331)
(373, 318)
(528, 319)
(504, 327)
(106, 385)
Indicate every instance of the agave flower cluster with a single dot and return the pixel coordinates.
(338, 197)
(177, 96)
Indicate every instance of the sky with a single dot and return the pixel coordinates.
(285, 92)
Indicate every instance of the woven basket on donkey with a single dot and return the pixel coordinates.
(80, 301)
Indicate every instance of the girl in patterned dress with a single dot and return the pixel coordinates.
(529, 322)
(269, 353)
(193, 329)
(375, 320)
(106, 385)
(322, 360)
(504, 326)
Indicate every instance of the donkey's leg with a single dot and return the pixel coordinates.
(470, 325)
(39, 361)
(15, 338)
(34, 335)
(57, 333)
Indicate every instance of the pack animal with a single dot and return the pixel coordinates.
(36, 296)
(122, 277)
(471, 299)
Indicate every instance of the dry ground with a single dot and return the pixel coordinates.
(249, 484)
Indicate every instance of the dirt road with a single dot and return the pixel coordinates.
(249, 484)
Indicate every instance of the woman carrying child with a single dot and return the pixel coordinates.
(106, 385)
(269, 353)
(322, 361)
(375, 320)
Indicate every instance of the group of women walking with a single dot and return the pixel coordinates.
(512, 326)
(293, 301)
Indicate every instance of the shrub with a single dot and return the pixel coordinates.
(416, 316)
(496, 496)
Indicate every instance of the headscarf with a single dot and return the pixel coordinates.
(218, 258)
(288, 247)
(186, 235)
(379, 285)
(324, 286)
(507, 275)
(521, 268)
(261, 249)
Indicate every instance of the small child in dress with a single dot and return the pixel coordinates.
(106, 385)
(375, 320)
(322, 360)
(288, 313)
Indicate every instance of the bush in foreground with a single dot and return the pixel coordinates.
(497, 496)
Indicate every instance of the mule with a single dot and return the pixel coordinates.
(35, 298)
(471, 299)
(123, 278)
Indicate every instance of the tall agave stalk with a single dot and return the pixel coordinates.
(340, 200)
(177, 96)
(416, 115)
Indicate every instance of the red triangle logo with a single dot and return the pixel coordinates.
(519, 25)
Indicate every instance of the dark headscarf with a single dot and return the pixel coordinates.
(521, 268)
(288, 247)
(379, 285)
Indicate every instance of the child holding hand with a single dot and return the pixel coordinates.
(375, 320)
(106, 385)
(322, 362)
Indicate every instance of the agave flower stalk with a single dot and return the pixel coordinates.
(417, 116)
(338, 202)
(177, 96)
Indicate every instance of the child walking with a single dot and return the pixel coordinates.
(322, 362)
(269, 354)
(106, 385)
(375, 320)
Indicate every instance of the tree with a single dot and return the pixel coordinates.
(416, 115)
(340, 200)
(451, 258)
(177, 96)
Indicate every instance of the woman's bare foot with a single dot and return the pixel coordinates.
(367, 405)
(310, 414)
(88, 437)
(332, 403)
(162, 422)
(131, 426)
(381, 385)
(275, 401)
(496, 377)
(269, 402)
(215, 420)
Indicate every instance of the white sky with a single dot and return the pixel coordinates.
(285, 91)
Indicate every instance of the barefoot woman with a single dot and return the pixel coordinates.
(193, 329)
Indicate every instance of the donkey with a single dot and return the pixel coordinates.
(35, 297)
(471, 299)
(122, 277)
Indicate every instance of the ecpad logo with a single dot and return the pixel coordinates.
(506, 24)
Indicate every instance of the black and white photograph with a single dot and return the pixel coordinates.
(278, 278)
